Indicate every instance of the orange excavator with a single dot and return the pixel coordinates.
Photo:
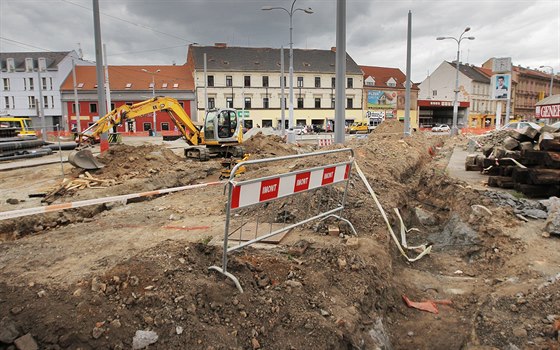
(221, 134)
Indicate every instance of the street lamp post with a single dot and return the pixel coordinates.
(153, 95)
(291, 136)
(454, 128)
(551, 78)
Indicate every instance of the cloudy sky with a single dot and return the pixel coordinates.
(159, 31)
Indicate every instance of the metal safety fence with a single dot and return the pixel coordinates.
(264, 209)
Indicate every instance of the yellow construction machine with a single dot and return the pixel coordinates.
(221, 134)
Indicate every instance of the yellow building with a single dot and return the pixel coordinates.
(248, 79)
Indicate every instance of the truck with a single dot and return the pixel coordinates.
(220, 135)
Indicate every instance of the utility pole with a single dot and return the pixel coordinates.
(282, 98)
(107, 88)
(102, 107)
(41, 110)
(340, 71)
(77, 106)
(407, 84)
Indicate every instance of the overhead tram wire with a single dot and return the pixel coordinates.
(130, 22)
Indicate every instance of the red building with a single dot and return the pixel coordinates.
(128, 85)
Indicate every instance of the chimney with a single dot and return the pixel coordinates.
(220, 45)
(333, 49)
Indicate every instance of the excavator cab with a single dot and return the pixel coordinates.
(222, 126)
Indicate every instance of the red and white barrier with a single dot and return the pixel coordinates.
(250, 192)
(324, 142)
(58, 207)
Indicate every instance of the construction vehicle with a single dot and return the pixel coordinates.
(220, 135)
(22, 125)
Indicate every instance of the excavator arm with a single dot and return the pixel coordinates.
(119, 115)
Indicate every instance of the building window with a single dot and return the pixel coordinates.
(229, 80)
(112, 106)
(44, 83)
(211, 103)
(284, 102)
(332, 102)
(45, 101)
(266, 103)
(247, 81)
(24, 84)
(147, 126)
(434, 92)
(31, 101)
(93, 107)
(349, 102)
(229, 102)
(265, 81)
(29, 64)
(6, 84)
(210, 80)
(247, 103)
(182, 104)
(333, 81)
(164, 126)
(300, 102)
(31, 84)
(317, 102)
(52, 101)
(300, 81)
(73, 108)
(50, 81)
(7, 101)
(317, 82)
(128, 103)
(350, 83)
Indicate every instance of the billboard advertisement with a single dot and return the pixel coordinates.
(500, 86)
(381, 99)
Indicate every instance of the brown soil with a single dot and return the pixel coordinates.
(94, 279)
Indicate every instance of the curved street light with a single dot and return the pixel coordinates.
(290, 12)
(551, 78)
(454, 128)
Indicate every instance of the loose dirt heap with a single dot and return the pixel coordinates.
(265, 146)
(312, 291)
(389, 126)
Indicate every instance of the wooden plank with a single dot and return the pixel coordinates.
(550, 145)
(520, 175)
(538, 191)
(552, 160)
(544, 176)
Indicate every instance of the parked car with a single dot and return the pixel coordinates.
(520, 125)
(298, 130)
(441, 128)
(555, 125)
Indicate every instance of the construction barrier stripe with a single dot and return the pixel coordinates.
(58, 207)
(248, 193)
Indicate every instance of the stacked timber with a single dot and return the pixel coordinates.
(527, 161)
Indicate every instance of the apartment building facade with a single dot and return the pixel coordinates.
(31, 85)
(532, 85)
(248, 79)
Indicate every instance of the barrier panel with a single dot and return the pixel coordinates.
(266, 208)
(323, 141)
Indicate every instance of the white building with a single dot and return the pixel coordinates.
(31, 80)
(249, 78)
(437, 93)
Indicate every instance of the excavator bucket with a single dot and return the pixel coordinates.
(84, 159)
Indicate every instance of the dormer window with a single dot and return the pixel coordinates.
(391, 82)
(176, 85)
(10, 65)
(164, 85)
(128, 85)
(151, 85)
(42, 64)
(370, 81)
(81, 85)
(29, 64)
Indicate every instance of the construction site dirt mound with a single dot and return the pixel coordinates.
(389, 126)
(264, 146)
(144, 268)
